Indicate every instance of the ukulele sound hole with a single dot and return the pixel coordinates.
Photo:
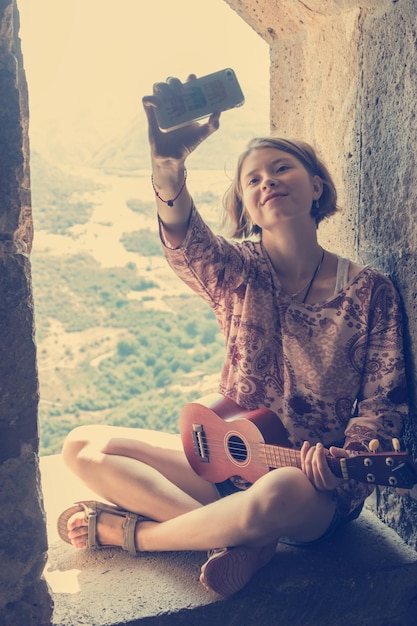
(237, 449)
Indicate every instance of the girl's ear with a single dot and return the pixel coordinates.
(317, 187)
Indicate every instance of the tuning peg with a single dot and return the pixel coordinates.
(396, 445)
(373, 445)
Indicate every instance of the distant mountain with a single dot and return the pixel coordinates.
(64, 142)
(124, 153)
(130, 151)
(122, 147)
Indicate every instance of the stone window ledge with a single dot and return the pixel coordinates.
(368, 575)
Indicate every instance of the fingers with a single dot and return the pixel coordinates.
(339, 453)
(175, 84)
(214, 121)
(182, 140)
(160, 90)
(321, 469)
(149, 104)
(208, 128)
(163, 90)
(314, 464)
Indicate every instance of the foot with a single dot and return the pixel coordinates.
(109, 530)
(94, 524)
(229, 569)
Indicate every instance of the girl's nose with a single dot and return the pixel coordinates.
(268, 182)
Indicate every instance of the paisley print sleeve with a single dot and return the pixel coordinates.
(382, 399)
(207, 263)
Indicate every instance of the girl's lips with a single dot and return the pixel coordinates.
(271, 196)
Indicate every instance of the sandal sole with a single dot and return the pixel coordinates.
(227, 572)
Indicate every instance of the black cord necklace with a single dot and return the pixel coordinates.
(310, 284)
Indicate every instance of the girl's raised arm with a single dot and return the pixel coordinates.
(169, 151)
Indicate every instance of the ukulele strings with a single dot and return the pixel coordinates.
(274, 455)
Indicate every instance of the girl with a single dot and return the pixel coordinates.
(309, 335)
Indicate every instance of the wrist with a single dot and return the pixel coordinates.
(169, 201)
(168, 174)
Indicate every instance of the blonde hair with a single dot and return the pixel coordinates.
(235, 218)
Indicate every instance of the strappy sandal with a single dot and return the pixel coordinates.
(91, 511)
(228, 570)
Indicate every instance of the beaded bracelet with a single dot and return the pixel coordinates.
(170, 203)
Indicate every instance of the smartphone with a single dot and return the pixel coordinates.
(200, 98)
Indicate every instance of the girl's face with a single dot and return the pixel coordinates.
(276, 186)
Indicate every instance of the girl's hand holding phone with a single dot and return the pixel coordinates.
(177, 144)
(175, 107)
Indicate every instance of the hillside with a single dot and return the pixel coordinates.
(120, 339)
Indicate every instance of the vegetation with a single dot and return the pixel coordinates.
(59, 197)
(141, 206)
(116, 345)
(77, 292)
(142, 366)
(144, 242)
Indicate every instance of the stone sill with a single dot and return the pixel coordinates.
(366, 575)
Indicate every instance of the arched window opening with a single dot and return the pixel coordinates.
(118, 339)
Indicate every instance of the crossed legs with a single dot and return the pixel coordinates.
(146, 472)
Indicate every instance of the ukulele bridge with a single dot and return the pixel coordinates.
(200, 443)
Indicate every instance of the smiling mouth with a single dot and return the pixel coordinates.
(272, 196)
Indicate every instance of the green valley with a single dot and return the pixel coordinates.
(120, 339)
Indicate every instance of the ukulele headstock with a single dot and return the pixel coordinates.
(391, 469)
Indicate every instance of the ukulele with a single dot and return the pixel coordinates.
(222, 440)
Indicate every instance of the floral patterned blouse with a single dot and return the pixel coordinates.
(332, 372)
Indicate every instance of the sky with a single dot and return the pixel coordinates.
(89, 62)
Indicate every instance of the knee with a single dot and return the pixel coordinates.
(281, 493)
(75, 445)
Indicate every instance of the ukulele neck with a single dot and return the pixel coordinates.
(276, 456)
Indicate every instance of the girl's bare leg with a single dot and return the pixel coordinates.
(140, 470)
(148, 473)
(281, 503)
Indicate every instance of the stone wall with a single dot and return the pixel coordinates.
(387, 226)
(344, 78)
(24, 597)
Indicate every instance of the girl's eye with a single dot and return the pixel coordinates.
(252, 181)
(281, 168)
